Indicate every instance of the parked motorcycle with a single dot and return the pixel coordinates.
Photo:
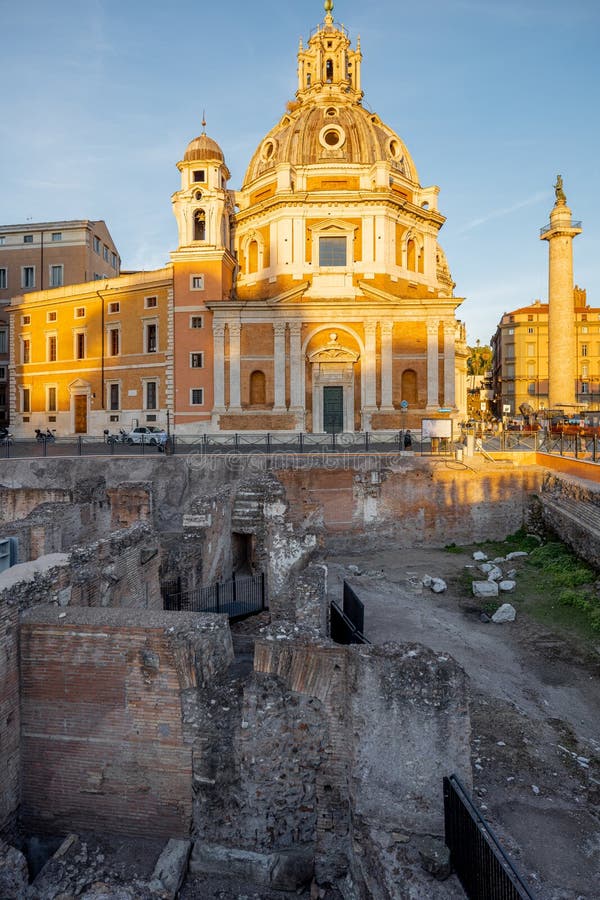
(44, 437)
(5, 436)
(119, 438)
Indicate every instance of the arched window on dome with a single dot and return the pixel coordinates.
(199, 225)
(409, 387)
(258, 388)
(411, 255)
(253, 256)
(329, 71)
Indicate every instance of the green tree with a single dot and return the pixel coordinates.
(479, 360)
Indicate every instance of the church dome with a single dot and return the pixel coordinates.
(203, 148)
(330, 133)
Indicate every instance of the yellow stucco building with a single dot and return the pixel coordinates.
(316, 298)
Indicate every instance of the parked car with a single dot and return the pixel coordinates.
(147, 434)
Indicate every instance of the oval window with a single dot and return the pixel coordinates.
(198, 195)
(331, 111)
(332, 138)
(268, 150)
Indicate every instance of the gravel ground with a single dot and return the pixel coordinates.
(535, 711)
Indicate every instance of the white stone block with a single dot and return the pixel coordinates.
(479, 555)
(506, 613)
(485, 589)
(507, 585)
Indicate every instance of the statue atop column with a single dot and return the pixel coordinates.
(559, 192)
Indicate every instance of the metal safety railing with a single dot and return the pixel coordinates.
(482, 866)
(237, 598)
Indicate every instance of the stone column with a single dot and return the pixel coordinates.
(387, 400)
(296, 364)
(279, 366)
(370, 365)
(433, 400)
(219, 365)
(235, 329)
(449, 364)
(562, 341)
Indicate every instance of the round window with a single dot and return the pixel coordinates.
(331, 111)
(198, 195)
(332, 138)
(268, 150)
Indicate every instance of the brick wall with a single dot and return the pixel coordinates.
(9, 715)
(101, 732)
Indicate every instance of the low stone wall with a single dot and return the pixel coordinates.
(102, 738)
(395, 720)
(571, 508)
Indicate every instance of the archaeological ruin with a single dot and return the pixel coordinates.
(261, 752)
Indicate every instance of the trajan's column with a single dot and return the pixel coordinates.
(562, 356)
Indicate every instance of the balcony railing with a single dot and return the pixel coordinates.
(550, 227)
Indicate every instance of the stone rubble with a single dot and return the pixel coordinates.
(505, 613)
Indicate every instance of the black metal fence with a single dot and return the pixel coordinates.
(482, 866)
(346, 626)
(237, 598)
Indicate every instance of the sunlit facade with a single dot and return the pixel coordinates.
(316, 298)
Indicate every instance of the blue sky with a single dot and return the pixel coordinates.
(492, 98)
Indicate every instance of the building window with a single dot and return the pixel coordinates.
(585, 387)
(196, 360)
(8, 553)
(57, 235)
(3, 340)
(2, 373)
(25, 350)
(3, 279)
(151, 395)
(51, 316)
(530, 349)
(196, 321)
(105, 253)
(51, 348)
(531, 331)
(28, 276)
(584, 370)
(96, 244)
(56, 276)
(80, 345)
(332, 251)
(199, 175)
(114, 341)
(584, 349)
(150, 302)
(197, 396)
(28, 239)
(511, 330)
(530, 318)
(114, 396)
(25, 320)
(197, 282)
(584, 317)
(26, 400)
(51, 399)
(114, 307)
(80, 312)
(151, 336)
(113, 260)
(584, 329)
(2, 240)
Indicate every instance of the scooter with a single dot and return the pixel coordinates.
(119, 438)
(44, 437)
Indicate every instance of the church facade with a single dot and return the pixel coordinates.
(316, 298)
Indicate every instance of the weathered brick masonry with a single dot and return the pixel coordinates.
(102, 739)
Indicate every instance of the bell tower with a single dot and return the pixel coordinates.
(203, 204)
(203, 272)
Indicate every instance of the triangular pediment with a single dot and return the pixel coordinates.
(290, 296)
(79, 385)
